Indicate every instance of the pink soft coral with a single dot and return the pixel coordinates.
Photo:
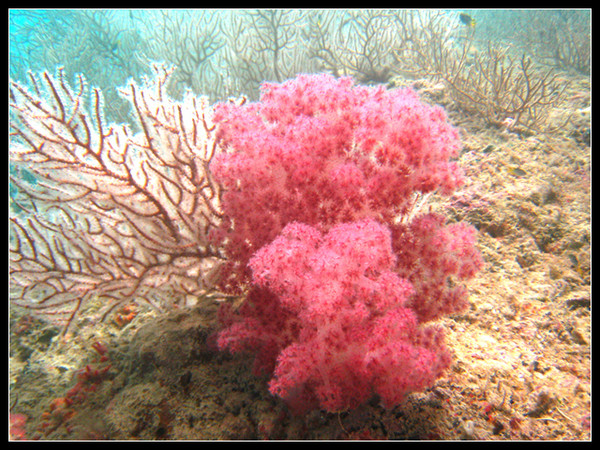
(341, 272)
(319, 150)
(433, 256)
(330, 314)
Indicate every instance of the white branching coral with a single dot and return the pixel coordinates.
(102, 210)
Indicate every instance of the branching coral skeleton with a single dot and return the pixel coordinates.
(103, 210)
(491, 82)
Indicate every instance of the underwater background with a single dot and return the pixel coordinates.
(517, 85)
(224, 53)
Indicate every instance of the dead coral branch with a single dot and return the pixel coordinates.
(499, 87)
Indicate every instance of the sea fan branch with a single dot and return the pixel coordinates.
(98, 210)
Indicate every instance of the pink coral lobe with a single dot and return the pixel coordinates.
(321, 151)
(17, 427)
(354, 338)
(316, 176)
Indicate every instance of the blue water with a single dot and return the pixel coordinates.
(223, 53)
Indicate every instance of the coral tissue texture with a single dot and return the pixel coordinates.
(320, 181)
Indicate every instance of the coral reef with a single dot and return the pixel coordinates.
(105, 213)
(484, 79)
(135, 213)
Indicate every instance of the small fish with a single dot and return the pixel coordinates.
(467, 19)
(515, 171)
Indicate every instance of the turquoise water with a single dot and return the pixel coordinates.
(223, 53)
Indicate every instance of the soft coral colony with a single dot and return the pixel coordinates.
(307, 205)
(320, 179)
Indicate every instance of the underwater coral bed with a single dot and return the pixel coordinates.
(395, 249)
(521, 350)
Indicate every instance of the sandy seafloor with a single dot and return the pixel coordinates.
(522, 368)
